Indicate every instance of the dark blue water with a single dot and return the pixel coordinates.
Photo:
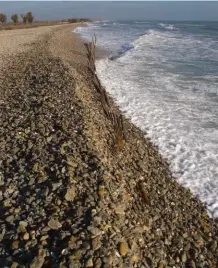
(164, 76)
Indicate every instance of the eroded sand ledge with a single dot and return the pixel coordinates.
(67, 197)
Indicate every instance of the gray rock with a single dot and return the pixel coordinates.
(23, 224)
(10, 219)
(95, 231)
(54, 224)
(55, 186)
(70, 194)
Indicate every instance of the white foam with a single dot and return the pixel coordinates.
(178, 113)
(167, 26)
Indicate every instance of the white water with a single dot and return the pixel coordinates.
(176, 106)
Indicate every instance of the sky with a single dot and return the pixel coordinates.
(117, 10)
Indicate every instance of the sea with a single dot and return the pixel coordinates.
(164, 77)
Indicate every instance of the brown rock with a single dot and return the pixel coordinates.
(26, 236)
(38, 261)
(14, 265)
(15, 245)
(161, 265)
(123, 248)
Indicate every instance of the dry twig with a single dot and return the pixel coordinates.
(117, 121)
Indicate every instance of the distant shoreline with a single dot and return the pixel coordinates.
(19, 25)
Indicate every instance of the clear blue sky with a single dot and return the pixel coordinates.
(131, 10)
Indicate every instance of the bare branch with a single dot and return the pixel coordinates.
(116, 120)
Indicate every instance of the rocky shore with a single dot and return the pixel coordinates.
(67, 197)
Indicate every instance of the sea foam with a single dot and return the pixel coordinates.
(167, 85)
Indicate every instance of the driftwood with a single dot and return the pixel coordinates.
(116, 120)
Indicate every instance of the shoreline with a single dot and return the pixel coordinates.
(75, 201)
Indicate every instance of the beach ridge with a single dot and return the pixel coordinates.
(67, 196)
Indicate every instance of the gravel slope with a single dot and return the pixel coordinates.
(67, 198)
(15, 41)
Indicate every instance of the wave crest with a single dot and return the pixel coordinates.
(167, 26)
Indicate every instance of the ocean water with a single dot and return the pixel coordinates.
(164, 77)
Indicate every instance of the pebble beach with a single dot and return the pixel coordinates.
(67, 197)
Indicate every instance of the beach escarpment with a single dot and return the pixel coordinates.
(68, 197)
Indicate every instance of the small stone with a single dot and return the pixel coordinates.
(201, 257)
(185, 235)
(192, 263)
(98, 263)
(21, 229)
(38, 261)
(86, 245)
(134, 246)
(33, 235)
(120, 210)
(64, 252)
(44, 243)
(26, 236)
(70, 194)
(146, 228)
(101, 191)
(49, 139)
(161, 265)
(96, 243)
(117, 230)
(214, 246)
(184, 258)
(45, 229)
(94, 211)
(97, 220)
(63, 170)
(94, 231)
(44, 237)
(15, 245)
(89, 262)
(134, 258)
(123, 248)
(72, 242)
(14, 265)
(108, 260)
(10, 219)
(17, 210)
(55, 186)
(54, 224)
(127, 197)
(106, 227)
(137, 230)
(23, 224)
(10, 190)
(7, 203)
